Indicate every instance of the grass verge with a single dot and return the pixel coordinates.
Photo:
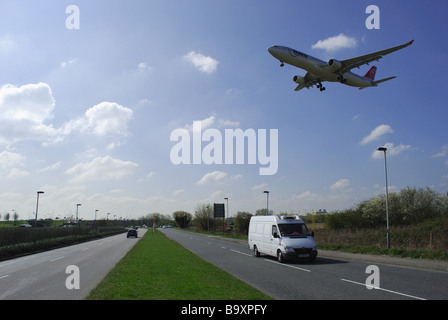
(158, 268)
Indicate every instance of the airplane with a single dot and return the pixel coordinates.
(333, 71)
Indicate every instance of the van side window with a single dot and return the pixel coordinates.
(274, 231)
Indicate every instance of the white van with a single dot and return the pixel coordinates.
(283, 237)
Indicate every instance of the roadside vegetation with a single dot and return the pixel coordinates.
(50, 234)
(418, 220)
(158, 268)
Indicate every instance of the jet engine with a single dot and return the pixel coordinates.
(298, 80)
(335, 64)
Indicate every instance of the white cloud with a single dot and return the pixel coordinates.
(260, 186)
(377, 133)
(108, 118)
(64, 64)
(305, 196)
(143, 67)
(340, 184)
(9, 163)
(212, 177)
(102, 169)
(201, 62)
(104, 120)
(10, 160)
(392, 150)
(210, 121)
(443, 152)
(23, 111)
(335, 43)
(52, 167)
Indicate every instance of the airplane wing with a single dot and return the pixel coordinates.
(349, 64)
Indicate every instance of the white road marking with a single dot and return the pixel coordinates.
(395, 292)
(287, 265)
(249, 255)
(57, 259)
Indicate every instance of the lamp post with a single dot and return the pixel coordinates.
(227, 207)
(384, 149)
(35, 220)
(267, 202)
(77, 206)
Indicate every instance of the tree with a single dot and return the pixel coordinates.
(182, 218)
(241, 222)
(203, 217)
(264, 212)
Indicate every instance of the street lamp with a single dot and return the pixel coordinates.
(77, 206)
(384, 149)
(227, 207)
(267, 202)
(35, 220)
(37, 206)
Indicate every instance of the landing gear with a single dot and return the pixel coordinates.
(282, 64)
(320, 87)
(342, 79)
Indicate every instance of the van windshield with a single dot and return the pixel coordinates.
(293, 230)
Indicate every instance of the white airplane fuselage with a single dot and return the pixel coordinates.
(318, 68)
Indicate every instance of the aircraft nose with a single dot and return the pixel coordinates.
(272, 49)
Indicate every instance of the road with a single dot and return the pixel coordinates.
(43, 276)
(327, 278)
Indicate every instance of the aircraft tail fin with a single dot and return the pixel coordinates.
(371, 73)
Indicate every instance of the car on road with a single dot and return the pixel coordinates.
(132, 233)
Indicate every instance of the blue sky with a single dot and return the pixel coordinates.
(86, 114)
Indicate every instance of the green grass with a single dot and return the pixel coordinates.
(158, 268)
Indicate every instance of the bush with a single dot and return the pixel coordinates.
(242, 222)
(409, 206)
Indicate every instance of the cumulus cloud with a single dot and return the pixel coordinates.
(335, 43)
(212, 177)
(102, 169)
(377, 133)
(108, 118)
(104, 119)
(23, 112)
(201, 62)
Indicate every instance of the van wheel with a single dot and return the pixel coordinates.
(280, 257)
(256, 252)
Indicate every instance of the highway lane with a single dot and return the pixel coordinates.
(43, 276)
(327, 278)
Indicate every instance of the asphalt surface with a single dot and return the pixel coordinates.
(333, 275)
(44, 276)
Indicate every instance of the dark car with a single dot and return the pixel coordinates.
(132, 233)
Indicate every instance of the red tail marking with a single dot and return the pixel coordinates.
(371, 73)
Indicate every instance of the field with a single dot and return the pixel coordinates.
(158, 268)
